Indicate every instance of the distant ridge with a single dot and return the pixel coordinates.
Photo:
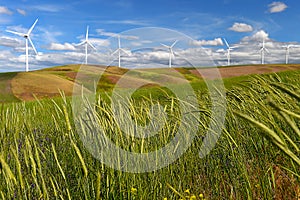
(47, 83)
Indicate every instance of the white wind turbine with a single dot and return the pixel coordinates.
(86, 43)
(171, 53)
(27, 38)
(287, 52)
(119, 50)
(229, 49)
(262, 50)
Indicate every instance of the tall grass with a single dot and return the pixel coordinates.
(42, 156)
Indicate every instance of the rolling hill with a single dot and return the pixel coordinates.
(45, 83)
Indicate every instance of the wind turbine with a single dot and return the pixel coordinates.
(262, 50)
(119, 50)
(171, 53)
(27, 38)
(229, 49)
(86, 43)
(287, 52)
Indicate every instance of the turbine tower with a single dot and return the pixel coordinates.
(119, 50)
(229, 49)
(86, 43)
(27, 38)
(171, 53)
(262, 50)
(287, 52)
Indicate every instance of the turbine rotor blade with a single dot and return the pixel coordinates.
(115, 52)
(87, 33)
(90, 44)
(226, 43)
(173, 44)
(79, 44)
(16, 33)
(31, 28)
(32, 46)
(124, 51)
(165, 46)
(171, 52)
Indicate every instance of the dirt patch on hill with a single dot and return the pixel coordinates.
(227, 72)
(27, 85)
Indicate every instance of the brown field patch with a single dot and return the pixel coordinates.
(27, 85)
(227, 72)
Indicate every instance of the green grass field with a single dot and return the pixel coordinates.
(256, 157)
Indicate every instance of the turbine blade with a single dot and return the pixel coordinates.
(173, 44)
(165, 46)
(125, 52)
(90, 44)
(115, 51)
(267, 50)
(119, 41)
(81, 43)
(16, 33)
(171, 52)
(87, 33)
(32, 46)
(234, 47)
(31, 28)
(226, 42)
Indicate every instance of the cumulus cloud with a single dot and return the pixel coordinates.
(258, 36)
(105, 33)
(241, 27)
(9, 42)
(61, 47)
(277, 6)
(5, 10)
(215, 42)
(22, 12)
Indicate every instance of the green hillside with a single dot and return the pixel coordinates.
(47, 83)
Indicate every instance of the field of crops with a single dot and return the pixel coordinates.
(256, 157)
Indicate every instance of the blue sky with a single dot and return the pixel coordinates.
(63, 23)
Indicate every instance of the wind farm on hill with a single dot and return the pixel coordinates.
(163, 56)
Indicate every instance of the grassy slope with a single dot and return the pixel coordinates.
(6, 94)
(241, 166)
(48, 82)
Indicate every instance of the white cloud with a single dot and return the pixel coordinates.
(277, 6)
(128, 22)
(99, 42)
(258, 36)
(22, 12)
(18, 28)
(47, 8)
(105, 33)
(61, 47)
(5, 10)
(9, 42)
(110, 34)
(241, 27)
(215, 42)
